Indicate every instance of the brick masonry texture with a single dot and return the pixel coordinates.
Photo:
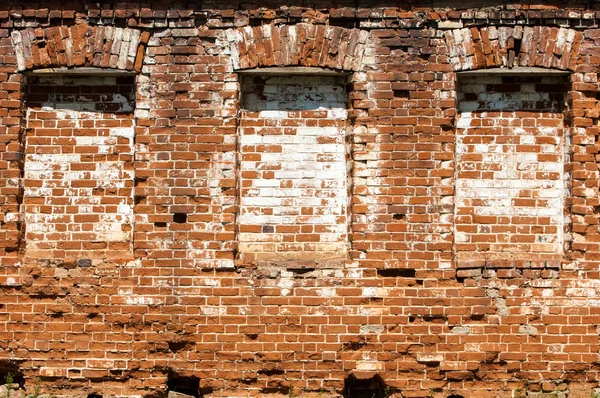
(180, 212)
(510, 182)
(294, 193)
(78, 171)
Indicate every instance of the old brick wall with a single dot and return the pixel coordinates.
(282, 199)
(510, 182)
(78, 168)
(294, 175)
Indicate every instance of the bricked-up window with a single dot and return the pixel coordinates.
(511, 182)
(294, 199)
(79, 167)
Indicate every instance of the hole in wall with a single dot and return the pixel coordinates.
(175, 346)
(300, 271)
(180, 218)
(189, 385)
(160, 224)
(140, 181)
(397, 273)
(10, 370)
(94, 395)
(364, 388)
(349, 23)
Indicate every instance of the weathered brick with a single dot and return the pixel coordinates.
(439, 232)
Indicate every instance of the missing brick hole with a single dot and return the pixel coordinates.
(404, 94)
(180, 218)
(455, 396)
(354, 345)
(400, 47)
(411, 319)
(160, 224)
(435, 318)
(399, 216)
(255, 22)
(11, 370)
(94, 395)
(139, 200)
(517, 49)
(175, 346)
(397, 273)
(349, 23)
(271, 372)
(139, 181)
(364, 388)
(300, 271)
(477, 317)
(189, 385)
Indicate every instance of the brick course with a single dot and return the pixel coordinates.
(426, 285)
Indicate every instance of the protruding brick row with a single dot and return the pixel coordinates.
(79, 45)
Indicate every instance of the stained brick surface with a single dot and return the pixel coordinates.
(510, 182)
(259, 234)
(78, 173)
(294, 192)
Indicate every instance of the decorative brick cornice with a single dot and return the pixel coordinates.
(297, 45)
(505, 46)
(79, 45)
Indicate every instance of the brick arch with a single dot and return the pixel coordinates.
(80, 45)
(505, 46)
(304, 44)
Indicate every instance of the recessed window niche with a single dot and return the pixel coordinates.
(294, 178)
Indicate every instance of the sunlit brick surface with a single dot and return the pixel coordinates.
(79, 167)
(510, 181)
(294, 193)
(406, 226)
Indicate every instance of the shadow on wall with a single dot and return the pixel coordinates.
(364, 388)
(293, 93)
(9, 370)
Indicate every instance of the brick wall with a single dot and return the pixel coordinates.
(294, 191)
(78, 173)
(180, 219)
(510, 182)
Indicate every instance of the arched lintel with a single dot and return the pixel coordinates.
(79, 46)
(299, 45)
